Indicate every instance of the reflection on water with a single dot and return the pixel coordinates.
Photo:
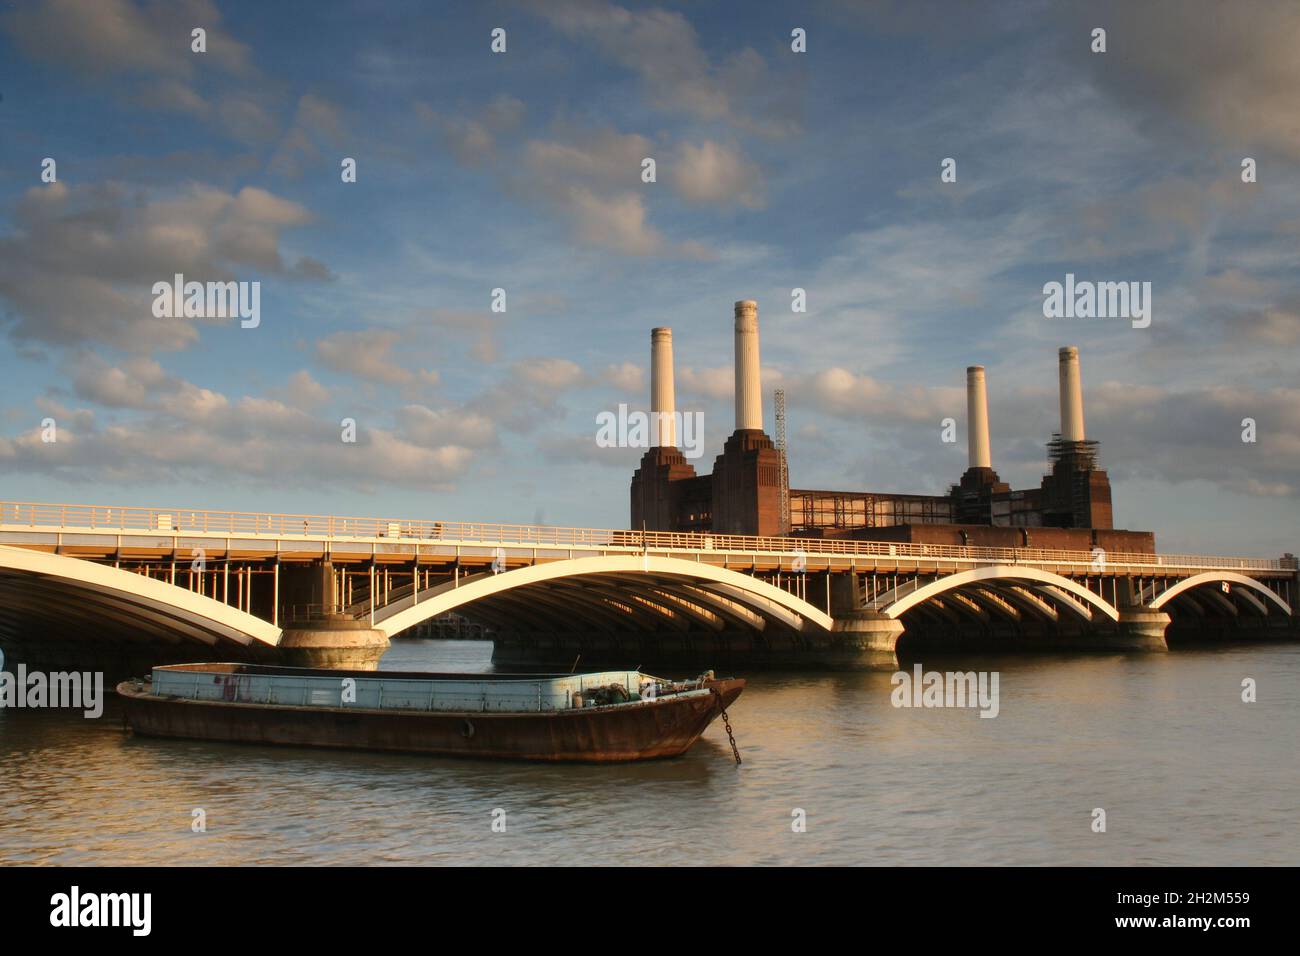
(1187, 773)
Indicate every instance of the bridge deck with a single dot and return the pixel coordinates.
(100, 531)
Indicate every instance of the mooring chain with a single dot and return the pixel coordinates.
(730, 736)
(726, 722)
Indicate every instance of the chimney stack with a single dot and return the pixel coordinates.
(977, 418)
(1071, 395)
(663, 402)
(749, 401)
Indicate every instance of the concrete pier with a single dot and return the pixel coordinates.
(1142, 629)
(341, 643)
(866, 639)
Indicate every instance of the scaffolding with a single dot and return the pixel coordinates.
(778, 401)
(1077, 455)
(812, 510)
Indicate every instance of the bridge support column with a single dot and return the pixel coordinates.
(316, 633)
(1142, 629)
(868, 639)
(307, 589)
(341, 642)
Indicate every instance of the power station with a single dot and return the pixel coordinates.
(747, 491)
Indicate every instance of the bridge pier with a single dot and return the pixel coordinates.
(862, 638)
(316, 631)
(332, 642)
(1141, 629)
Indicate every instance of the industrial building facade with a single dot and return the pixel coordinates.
(744, 494)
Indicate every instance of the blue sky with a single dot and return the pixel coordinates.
(521, 171)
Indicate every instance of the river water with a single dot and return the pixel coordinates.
(1186, 772)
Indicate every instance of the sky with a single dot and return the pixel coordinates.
(522, 171)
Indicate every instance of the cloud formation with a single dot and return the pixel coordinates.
(145, 47)
(662, 48)
(82, 260)
(368, 354)
(1229, 72)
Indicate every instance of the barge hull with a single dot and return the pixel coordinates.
(665, 728)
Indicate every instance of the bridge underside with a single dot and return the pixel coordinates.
(1019, 609)
(61, 625)
(645, 617)
(664, 619)
(628, 609)
(65, 613)
(1207, 614)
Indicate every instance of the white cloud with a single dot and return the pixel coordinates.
(625, 376)
(1230, 71)
(145, 44)
(433, 428)
(368, 354)
(473, 139)
(81, 263)
(662, 48)
(712, 173)
(302, 391)
(528, 395)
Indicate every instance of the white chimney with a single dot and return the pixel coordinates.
(977, 418)
(1071, 395)
(663, 401)
(749, 401)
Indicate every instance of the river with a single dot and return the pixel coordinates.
(1186, 772)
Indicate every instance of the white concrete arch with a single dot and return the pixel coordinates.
(991, 574)
(1252, 602)
(998, 602)
(1217, 577)
(759, 596)
(1082, 609)
(968, 605)
(1031, 603)
(128, 595)
(707, 609)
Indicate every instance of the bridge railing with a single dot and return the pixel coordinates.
(296, 613)
(172, 521)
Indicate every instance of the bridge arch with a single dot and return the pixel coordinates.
(613, 578)
(41, 589)
(1220, 577)
(896, 603)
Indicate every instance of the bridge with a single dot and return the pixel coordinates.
(91, 581)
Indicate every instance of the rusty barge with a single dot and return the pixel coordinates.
(597, 717)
